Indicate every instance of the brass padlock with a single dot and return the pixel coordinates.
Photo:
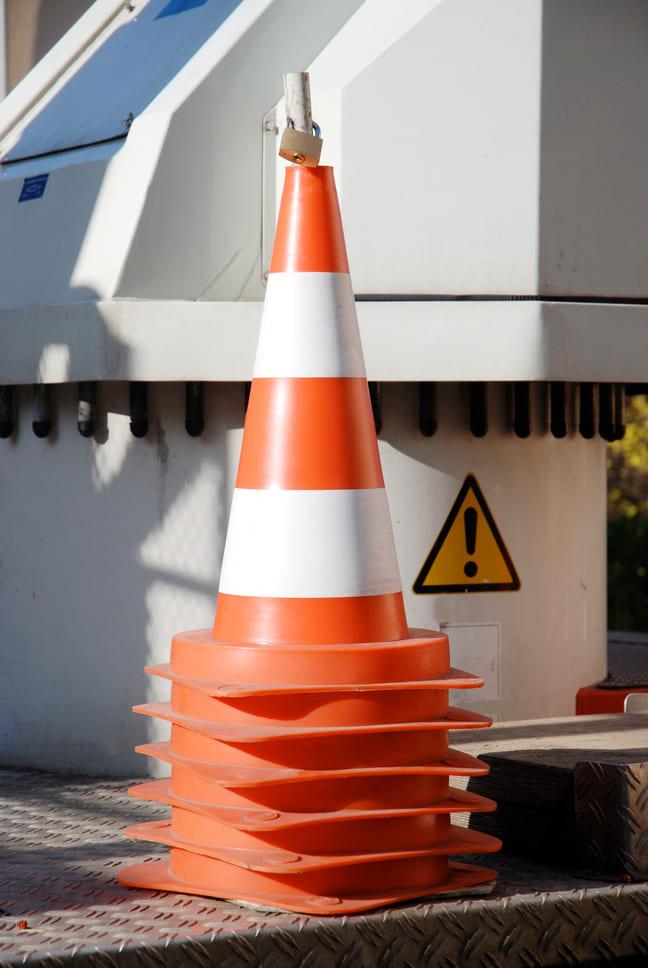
(300, 147)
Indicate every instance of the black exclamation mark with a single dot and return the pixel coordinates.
(470, 528)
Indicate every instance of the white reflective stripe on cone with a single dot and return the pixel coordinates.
(309, 327)
(309, 544)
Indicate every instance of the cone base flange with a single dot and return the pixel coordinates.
(462, 879)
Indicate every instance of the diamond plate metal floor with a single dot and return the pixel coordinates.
(60, 904)
(627, 661)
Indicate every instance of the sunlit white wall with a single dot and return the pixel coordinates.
(109, 546)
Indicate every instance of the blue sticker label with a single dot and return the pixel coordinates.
(179, 6)
(33, 188)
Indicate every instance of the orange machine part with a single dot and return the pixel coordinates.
(592, 700)
(309, 755)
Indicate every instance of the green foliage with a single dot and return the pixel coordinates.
(628, 573)
(628, 465)
(628, 523)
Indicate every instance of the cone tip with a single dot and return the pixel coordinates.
(309, 235)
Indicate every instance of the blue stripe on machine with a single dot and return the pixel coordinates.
(179, 6)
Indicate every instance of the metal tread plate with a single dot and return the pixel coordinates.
(60, 904)
(627, 661)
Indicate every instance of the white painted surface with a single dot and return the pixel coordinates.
(173, 340)
(119, 74)
(476, 647)
(309, 544)
(309, 327)
(452, 178)
(47, 71)
(439, 150)
(172, 211)
(92, 202)
(461, 168)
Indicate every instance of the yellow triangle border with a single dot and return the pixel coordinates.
(470, 484)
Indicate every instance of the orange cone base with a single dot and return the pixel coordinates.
(255, 818)
(312, 777)
(219, 668)
(260, 775)
(253, 853)
(297, 894)
(347, 831)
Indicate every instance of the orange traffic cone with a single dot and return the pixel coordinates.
(309, 729)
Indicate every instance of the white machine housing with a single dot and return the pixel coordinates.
(491, 178)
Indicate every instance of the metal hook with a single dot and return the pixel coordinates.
(317, 131)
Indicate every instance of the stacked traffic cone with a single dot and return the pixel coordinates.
(309, 729)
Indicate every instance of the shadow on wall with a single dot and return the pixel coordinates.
(594, 153)
(121, 81)
(111, 545)
(32, 29)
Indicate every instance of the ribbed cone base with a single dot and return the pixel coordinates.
(235, 884)
(312, 778)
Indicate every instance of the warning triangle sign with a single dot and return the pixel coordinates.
(469, 555)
